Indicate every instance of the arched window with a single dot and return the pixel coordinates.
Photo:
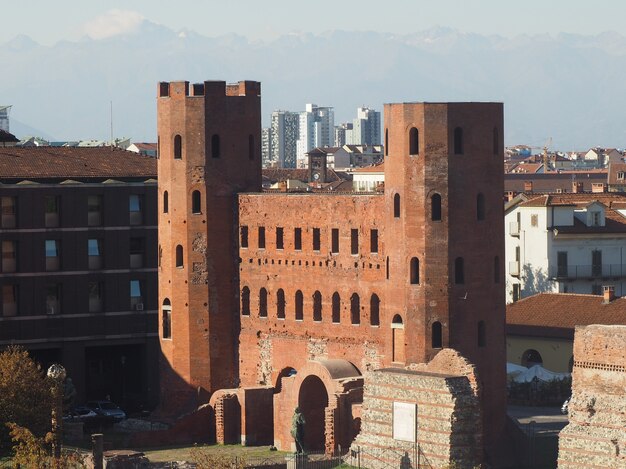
(245, 301)
(280, 304)
(167, 319)
(336, 308)
(480, 207)
(355, 309)
(166, 202)
(263, 303)
(531, 358)
(459, 273)
(496, 141)
(414, 140)
(436, 335)
(178, 147)
(251, 146)
(396, 206)
(458, 141)
(435, 207)
(375, 310)
(496, 269)
(415, 271)
(179, 256)
(215, 146)
(299, 306)
(386, 142)
(397, 320)
(482, 334)
(317, 306)
(196, 202)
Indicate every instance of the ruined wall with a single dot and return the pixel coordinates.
(446, 431)
(596, 433)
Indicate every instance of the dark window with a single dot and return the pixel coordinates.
(496, 269)
(95, 297)
(245, 301)
(179, 256)
(316, 239)
(136, 295)
(387, 267)
(299, 306)
(480, 207)
(415, 271)
(317, 306)
(10, 296)
(53, 298)
(51, 208)
(458, 141)
(335, 241)
(517, 291)
(336, 308)
(414, 140)
(531, 358)
(244, 236)
(386, 142)
(496, 141)
(263, 303)
(435, 207)
(178, 147)
(297, 238)
(167, 319)
(396, 206)
(436, 336)
(354, 241)
(375, 310)
(279, 238)
(135, 208)
(94, 210)
(373, 241)
(251, 151)
(280, 304)
(355, 309)
(137, 253)
(196, 202)
(166, 202)
(8, 208)
(596, 263)
(9, 256)
(261, 237)
(459, 274)
(482, 334)
(215, 146)
(53, 255)
(561, 264)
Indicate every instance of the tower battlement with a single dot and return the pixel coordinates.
(174, 89)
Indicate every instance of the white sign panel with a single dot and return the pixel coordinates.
(404, 421)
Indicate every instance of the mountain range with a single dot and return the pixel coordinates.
(564, 87)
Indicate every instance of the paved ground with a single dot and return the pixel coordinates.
(547, 420)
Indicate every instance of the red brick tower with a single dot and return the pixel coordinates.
(445, 238)
(209, 149)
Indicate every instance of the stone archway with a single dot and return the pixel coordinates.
(313, 402)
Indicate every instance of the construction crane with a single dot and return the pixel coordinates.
(545, 159)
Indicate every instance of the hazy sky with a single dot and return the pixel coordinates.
(49, 21)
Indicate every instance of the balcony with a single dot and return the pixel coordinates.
(514, 268)
(587, 271)
(514, 228)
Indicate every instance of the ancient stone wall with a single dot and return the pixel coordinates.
(596, 433)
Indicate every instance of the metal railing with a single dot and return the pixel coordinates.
(588, 271)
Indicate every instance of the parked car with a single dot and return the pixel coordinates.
(107, 409)
(565, 406)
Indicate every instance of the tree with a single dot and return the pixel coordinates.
(25, 397)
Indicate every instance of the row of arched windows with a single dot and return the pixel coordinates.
(196, 202)
(215, 147)
(435, 207)
(318, 307)
(414, 143)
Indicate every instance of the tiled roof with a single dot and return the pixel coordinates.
(527, 168)
(556, 314)
(146, 146)
(375, 168)
(6, 137)
(553, 181)
(33, 163)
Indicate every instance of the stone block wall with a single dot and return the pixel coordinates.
(596, 433)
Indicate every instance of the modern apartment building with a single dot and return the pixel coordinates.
(4, 118)
(78, 277)
(365, 128)
(284, 138)
(316, 129)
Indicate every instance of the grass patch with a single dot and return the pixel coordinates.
(183, 453)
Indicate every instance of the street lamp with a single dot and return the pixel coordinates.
(57, 374)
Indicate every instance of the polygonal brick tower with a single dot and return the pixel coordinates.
(209, 136)
(445, 238)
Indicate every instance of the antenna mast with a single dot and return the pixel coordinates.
(111, 124)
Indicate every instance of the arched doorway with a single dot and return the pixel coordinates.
(313, 400)
(397, 338)
(531, 358)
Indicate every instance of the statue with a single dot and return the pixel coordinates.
(297, 429)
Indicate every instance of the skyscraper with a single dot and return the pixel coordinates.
(317, 129)
(365, 128)
(266, 146)
(283, 138)
(4, 118)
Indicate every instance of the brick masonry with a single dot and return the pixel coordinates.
(596, 434)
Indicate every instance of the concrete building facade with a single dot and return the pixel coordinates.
(284, 134)
(316, 129)
(284, 300)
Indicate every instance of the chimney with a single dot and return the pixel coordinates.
(609, 293)
(577, 187)
(509, 195)
(528, 186)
